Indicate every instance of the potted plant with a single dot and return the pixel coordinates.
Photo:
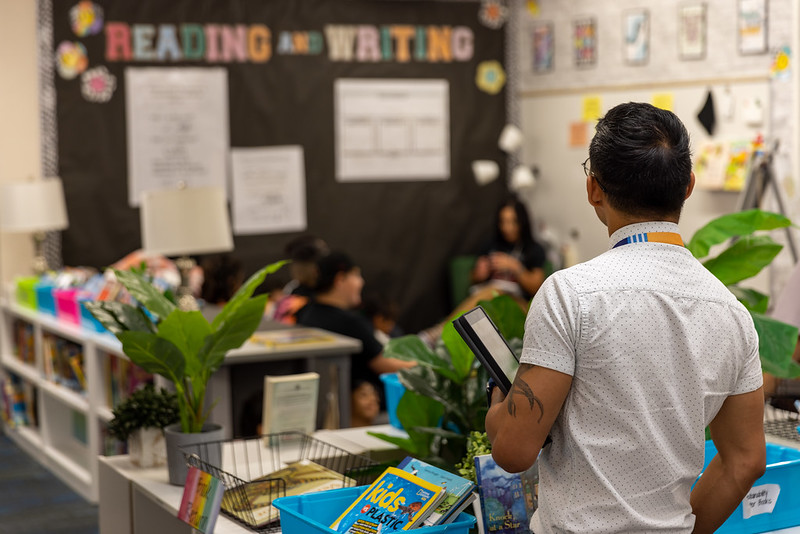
(140, 420)
(183, 347)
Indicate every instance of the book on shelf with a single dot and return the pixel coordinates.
(290, 403)
(397, 500)
(290, 337)
(23, 342)
(63, 362)
(459, 492)
(297, 478)
(19, 401)
(200, 504)
(508, 500)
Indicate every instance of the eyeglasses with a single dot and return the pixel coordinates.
(587, 172)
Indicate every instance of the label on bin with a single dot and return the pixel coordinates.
(760, 500)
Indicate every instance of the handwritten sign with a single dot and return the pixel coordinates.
(760, 500)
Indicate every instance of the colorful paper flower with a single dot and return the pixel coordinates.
(71, 59)
(490, 77)
(98, 85)
(86, 18)
(493, 14)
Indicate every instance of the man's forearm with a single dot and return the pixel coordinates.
(717, 493)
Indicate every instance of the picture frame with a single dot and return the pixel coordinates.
(584, 41)
(636, 36)
(752, 26)
(692, 28)
(543, 47)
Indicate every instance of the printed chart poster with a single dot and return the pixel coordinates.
(177, 128)
(269, 190)
(391, 130)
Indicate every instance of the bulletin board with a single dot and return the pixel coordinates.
(282, 61)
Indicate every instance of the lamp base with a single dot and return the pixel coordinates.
(183, 294)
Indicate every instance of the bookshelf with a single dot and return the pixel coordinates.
(63, 376)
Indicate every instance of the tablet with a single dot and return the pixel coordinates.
(489, 346)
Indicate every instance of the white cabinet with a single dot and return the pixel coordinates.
(67, 416)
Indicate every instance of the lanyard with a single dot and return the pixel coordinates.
(652, 237)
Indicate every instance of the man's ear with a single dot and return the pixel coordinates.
(594, 193)
(690, 187)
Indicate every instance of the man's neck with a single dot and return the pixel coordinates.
(616, 220)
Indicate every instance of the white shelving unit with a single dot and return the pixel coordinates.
(68, 436)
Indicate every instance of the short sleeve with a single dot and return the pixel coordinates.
(750, 377)
(552, 326)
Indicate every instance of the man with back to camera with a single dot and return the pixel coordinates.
(629, 356)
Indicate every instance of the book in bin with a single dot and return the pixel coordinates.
(459, 492)
(508, 500)
(397, 500)
(299, 477)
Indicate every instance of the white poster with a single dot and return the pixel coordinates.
(177, 128)
(389, 130)
(269, 190)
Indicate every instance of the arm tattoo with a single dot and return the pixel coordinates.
(520, 387)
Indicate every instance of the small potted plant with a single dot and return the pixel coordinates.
(140, 420)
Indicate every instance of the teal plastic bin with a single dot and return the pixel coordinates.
(313, 512)
(774, 499)
(394, 390)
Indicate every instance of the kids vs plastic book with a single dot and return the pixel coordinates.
(397, 500)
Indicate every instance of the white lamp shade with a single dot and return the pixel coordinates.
(35, 206)
(179, 222)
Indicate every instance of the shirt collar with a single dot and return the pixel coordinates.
(640, 228)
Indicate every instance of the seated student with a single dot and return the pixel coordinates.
(337, 295)
(303, 251)
(381, 311)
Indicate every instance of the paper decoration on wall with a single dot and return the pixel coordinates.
(493, 14)
(584, 39)
(510, 139)
(592, 108)
(486, 171)
(692, 32)
(86, 18)
(707, 116)
(722, 165)
(781, 63)
(543, 47)
(663, 101)
(490, 77)
(753, 111)
(71, 59)
(532, 7)
(522, 178)
(578, 134)
(636, 35)
(98, 85)
(752, 26)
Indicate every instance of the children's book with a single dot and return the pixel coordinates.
(296, 478)
(201, 500)
(459, 492)
(508, 500)
(290, 337)
(397, 500)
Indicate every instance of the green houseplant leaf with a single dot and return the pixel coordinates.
(744, 259)
(118, 317)
(415, 411)
(148, 295)
(732, 225)
(775, 339)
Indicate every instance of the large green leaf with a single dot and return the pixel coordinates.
(118, 317)
(245, 291)
(742, 223)
(461, 355)
(147, 294)
(412, 348)
(776, 343)
(187, 330)
(416, 413)
(506, 315)
(231, 334)
(744, 259)
(753, 300)
(154, 354)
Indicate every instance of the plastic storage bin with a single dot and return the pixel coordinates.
(87, 319)
(394, 390)
(313, 512)
(67, 308)
(45, 300)
(778, 489)
(26, 291)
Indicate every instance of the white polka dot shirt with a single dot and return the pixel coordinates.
(655, 343)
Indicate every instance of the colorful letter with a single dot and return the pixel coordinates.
(463, 43)
(143, 35)
(118, 41)
(234, 43)
(439, 40)
(212, 43)
(194, 41)
(258, 45)
(367, 46)
(168, 43)
(402, 35)
(340, 41)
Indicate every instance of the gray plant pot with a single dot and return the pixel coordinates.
(197, 443)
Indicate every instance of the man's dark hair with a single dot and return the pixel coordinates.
(329, 266)
(641, 158)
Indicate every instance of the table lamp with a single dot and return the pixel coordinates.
(184, 221)
(37, 207)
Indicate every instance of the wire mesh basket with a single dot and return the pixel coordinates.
(247, 466)
(782, 423)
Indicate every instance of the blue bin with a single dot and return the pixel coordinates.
(88, 320)
(782, 478)
(394, 390)
(45, 299)
(313, 512)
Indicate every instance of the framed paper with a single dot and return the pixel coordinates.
(636, 36)
(543, 47)
(752, 26)
(692, 31)
(584, 39)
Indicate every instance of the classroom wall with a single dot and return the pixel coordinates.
(19, 119)
(551, 102)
